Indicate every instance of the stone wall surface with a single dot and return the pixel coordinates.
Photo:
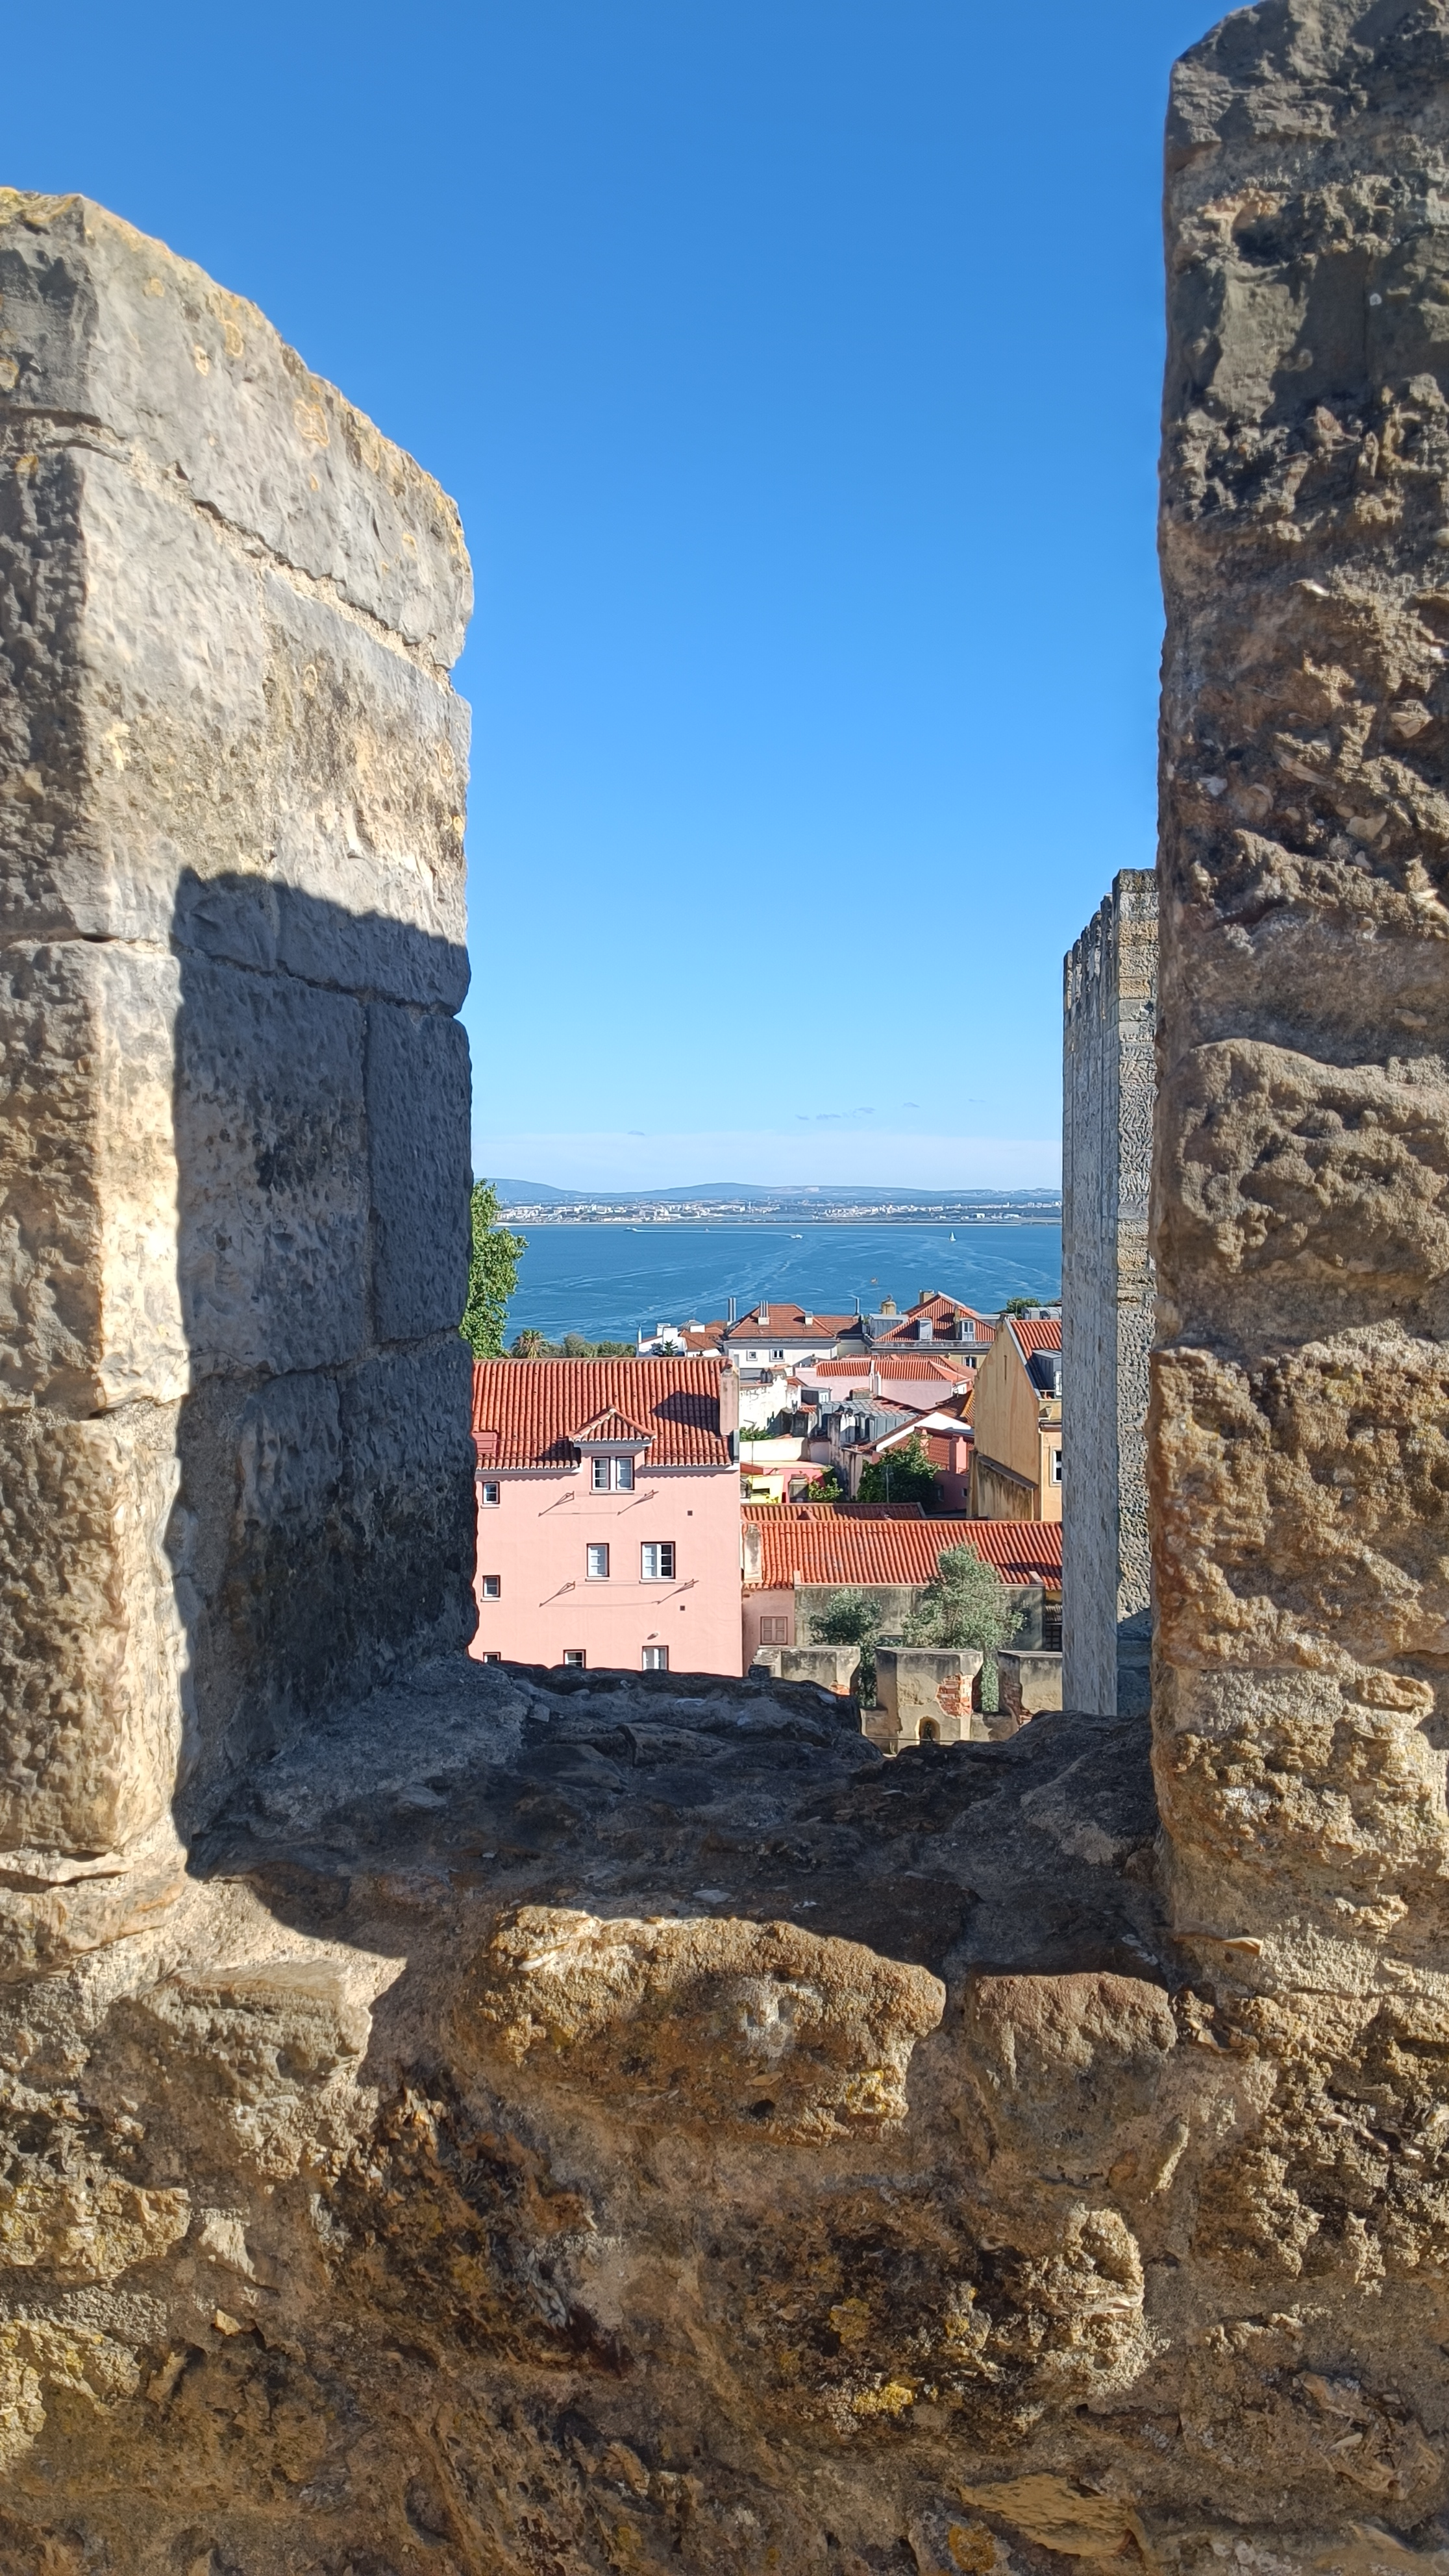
(1303, 1141)
(461, 2155)
(1108, 1315)
(234, 1153)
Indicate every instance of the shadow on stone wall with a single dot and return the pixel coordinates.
(321, 1537)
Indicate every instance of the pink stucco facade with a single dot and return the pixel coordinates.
(608, 1514)
(535, 1539)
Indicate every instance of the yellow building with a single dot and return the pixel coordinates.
(1016, 1413)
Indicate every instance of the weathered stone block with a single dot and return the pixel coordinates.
(1302, 1507)
(370, 784)
(231, 793)
(1294, 1189)
(832, 1667)
(420, 1167)
(923, 1694)
(238, 767)
(806, 2039)
(110, 328)
(271, 1147)
(90, 1309)
(92, 1649)
(295, 1490)
(1029, 1682)
(1301, 1228)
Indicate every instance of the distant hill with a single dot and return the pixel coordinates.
(753, 1194)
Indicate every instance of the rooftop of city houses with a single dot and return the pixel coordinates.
(535, 1413)
(937, 1308)
(892, 1366)
(784, 1321)
(1036, 1333)
(804, 1544)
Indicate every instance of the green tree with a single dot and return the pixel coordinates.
(902, 1475)
(492, 1275)
(826, 1489)
(967, 1605)
(850, 1618)
(1021, 1306)
(530, 1345)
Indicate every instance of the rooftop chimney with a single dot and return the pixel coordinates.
(729, 1401)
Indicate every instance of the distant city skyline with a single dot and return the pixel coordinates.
(849, 1159)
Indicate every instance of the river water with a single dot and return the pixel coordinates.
(606, 1280)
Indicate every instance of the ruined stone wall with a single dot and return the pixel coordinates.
(1298, 1451)
(478, 2164)
(234, 1152)
(1109, 1079)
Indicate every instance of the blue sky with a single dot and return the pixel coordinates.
(795, 364)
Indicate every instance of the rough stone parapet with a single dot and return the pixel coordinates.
(234, 1154)
(923, 1695)
(1108, 1316)
(473, 2159)
(1303, 1132)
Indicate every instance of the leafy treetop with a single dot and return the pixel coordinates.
(492, 1274)
(967, 1605)
(903, 1475)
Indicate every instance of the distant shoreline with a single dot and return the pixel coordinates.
(738, 1217)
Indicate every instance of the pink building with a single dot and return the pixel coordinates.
(608, 1513)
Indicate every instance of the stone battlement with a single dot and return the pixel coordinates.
(431, 2134)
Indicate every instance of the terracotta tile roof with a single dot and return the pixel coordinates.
(787, 1324)
(611, 1424)
(940, 1310)
(533, 1408)
(836, 1547)
(1032, 1335)
(891, 1365)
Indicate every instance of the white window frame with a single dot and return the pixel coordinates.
(593, 1571)
(490, 1493)
(490, 1587)
(575, 1659)
(1056, 1456)
(654, 1659)
(613, 1476)
(662, 1550)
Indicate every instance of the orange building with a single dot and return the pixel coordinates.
(1016, 1415)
